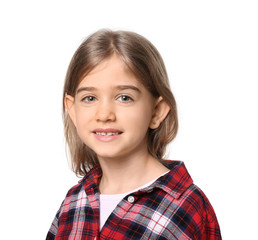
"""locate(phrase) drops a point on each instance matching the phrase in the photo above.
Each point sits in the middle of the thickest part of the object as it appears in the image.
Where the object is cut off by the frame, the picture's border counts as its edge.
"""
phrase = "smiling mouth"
(107, 133)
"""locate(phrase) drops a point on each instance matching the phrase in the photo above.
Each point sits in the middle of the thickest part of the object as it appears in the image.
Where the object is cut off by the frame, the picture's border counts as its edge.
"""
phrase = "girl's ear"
(160, 111)
(69, 106)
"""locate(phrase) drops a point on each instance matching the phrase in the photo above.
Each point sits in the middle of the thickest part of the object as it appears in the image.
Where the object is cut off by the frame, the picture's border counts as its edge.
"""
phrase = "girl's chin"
(109, 156)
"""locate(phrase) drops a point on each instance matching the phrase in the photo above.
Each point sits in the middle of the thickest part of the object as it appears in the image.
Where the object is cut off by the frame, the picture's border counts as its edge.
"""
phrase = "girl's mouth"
(107, 134)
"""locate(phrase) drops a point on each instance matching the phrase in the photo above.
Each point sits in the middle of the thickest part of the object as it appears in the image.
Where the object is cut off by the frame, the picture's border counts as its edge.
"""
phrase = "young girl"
(119, 115)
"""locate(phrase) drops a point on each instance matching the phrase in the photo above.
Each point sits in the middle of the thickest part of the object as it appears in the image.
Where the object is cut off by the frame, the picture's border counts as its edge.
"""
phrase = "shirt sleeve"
(54, 226)
(209, 227)
(211, 230)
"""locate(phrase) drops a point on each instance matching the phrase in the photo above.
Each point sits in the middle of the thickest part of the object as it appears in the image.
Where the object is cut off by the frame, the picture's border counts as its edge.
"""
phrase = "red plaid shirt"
(170, 208)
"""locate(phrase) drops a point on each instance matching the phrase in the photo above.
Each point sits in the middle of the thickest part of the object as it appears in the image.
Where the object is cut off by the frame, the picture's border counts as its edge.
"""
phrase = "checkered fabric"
(170, 208)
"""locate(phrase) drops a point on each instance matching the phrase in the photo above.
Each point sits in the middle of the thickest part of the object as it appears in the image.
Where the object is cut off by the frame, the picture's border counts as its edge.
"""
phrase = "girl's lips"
(107, 134)
(106, 130)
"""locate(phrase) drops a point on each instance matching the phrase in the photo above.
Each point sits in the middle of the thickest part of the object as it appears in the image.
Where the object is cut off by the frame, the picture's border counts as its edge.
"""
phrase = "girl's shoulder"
(74, 199)
(199, 202)
(75, 189)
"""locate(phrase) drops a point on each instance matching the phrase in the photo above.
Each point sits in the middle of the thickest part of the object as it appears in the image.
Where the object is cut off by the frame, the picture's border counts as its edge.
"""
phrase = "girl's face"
(112, 111)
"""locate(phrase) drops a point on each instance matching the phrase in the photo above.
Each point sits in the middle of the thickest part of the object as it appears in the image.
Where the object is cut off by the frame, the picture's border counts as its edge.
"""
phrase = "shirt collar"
(175, 182)
(91, 179)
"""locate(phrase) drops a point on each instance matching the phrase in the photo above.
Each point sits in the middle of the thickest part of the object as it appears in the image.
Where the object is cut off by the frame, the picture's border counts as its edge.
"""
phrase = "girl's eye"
(89, 99)
(125, 98)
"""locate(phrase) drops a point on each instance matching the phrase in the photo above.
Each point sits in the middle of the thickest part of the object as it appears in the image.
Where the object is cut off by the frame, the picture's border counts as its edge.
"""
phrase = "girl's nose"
(105, 112)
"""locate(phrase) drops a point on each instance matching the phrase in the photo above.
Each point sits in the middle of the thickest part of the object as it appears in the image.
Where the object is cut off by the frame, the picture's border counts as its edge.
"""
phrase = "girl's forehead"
(110, 71)
(111, 63)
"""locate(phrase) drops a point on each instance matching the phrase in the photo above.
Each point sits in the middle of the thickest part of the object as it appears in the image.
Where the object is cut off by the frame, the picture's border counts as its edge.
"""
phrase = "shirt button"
(130, 199)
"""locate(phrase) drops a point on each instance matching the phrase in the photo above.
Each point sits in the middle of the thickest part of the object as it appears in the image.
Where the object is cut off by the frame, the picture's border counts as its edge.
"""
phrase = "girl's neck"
(124, 175)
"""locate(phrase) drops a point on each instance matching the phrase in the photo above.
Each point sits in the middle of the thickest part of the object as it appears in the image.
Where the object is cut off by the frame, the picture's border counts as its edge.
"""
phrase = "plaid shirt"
(170, 208)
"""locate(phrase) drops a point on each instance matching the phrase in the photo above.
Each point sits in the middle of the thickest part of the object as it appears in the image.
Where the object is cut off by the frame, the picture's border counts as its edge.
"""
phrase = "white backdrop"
(211, 53)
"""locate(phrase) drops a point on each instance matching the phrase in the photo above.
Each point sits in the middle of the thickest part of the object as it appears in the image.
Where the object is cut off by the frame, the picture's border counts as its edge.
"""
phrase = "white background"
(210, 49)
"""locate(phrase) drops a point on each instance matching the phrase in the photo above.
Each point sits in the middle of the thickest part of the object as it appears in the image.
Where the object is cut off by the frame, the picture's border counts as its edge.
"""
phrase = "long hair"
(145, 62)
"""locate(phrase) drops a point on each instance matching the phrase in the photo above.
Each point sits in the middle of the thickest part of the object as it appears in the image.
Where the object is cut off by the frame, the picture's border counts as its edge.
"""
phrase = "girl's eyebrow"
(119, 87)
(87, 89)
(125, 87)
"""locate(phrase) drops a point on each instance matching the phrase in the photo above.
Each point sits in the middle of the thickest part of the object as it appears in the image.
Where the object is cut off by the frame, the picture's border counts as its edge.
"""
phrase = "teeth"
(106, 134)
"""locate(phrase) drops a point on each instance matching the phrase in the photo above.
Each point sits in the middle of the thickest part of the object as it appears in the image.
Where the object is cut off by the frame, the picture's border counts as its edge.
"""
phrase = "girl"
(119, 115)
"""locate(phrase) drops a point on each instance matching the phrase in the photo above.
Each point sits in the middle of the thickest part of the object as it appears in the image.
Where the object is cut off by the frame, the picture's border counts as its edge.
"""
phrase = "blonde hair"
(145, 62)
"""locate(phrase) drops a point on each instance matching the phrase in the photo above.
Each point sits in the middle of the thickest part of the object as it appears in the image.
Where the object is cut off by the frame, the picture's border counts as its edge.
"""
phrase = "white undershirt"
(108, 202)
